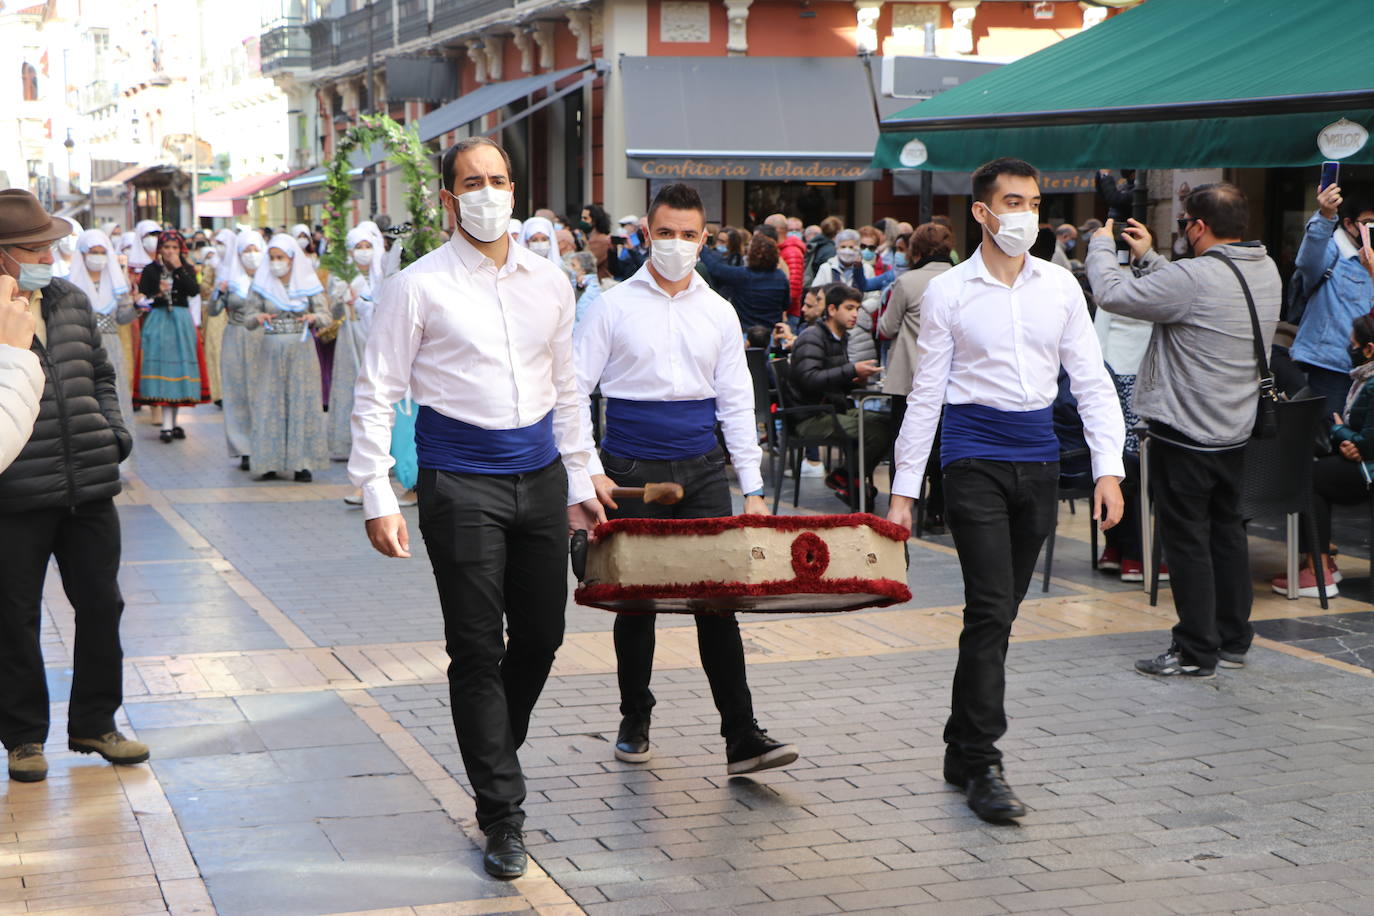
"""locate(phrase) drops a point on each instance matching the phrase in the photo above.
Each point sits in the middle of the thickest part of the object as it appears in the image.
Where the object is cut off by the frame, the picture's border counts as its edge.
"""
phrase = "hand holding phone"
(1331, 173)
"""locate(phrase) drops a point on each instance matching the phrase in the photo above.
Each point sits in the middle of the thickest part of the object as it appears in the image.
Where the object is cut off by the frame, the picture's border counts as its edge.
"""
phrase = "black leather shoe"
(752, 750)
(165, 435)
(506, 856)
(304, 477)
(991, 798)
(243, 463)
(632, 744)
(178, 432)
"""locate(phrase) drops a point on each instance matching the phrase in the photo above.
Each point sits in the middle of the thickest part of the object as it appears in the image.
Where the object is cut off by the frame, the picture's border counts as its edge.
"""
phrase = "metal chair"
(1071, 489)
(792, 445)
(756, 358)
(1278, 481)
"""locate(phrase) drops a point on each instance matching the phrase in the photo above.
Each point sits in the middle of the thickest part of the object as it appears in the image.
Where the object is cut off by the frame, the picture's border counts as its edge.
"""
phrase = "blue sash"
(446, 444)
(660, 430)
(976, 431)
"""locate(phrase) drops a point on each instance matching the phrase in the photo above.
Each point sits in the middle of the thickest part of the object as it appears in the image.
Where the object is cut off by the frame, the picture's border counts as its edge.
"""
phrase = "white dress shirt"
(985, 343)
(491, 348)
(641, 344)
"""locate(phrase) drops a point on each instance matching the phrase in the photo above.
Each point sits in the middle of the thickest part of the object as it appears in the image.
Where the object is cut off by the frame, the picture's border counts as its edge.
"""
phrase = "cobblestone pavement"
(291, 684)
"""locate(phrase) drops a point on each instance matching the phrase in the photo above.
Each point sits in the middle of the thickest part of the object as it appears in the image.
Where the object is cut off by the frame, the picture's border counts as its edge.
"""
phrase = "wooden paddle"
(665, 494)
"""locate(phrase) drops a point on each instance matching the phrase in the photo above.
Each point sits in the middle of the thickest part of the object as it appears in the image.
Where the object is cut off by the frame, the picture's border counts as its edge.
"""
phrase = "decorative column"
(580, 24)
(521, 39)
(1092, 14)
(866, 36)
(543, 38)
(479, 60)
(964, 11)
(737, 36)
(493, 48)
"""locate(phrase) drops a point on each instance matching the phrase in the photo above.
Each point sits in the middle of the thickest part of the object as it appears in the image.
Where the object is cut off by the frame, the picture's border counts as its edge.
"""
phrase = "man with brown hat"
(57, 500)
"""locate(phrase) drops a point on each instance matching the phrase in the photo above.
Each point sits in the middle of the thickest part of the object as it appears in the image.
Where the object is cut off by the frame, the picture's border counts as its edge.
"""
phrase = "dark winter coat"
(79, 438)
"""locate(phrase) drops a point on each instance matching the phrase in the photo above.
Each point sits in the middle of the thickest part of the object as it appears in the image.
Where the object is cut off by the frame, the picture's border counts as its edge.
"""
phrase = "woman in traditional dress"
(137, 246)
(169, 372)
(212, 273)
(96, 272)
(239, 349)
(355, 302)
(285, 301)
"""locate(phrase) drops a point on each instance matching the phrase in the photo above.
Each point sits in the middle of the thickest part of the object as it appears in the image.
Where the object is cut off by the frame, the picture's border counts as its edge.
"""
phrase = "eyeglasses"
(873, 247)
(1183, 224)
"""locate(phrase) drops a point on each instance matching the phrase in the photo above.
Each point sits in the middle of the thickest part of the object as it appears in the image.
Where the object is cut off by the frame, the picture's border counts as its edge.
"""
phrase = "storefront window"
(812, 201)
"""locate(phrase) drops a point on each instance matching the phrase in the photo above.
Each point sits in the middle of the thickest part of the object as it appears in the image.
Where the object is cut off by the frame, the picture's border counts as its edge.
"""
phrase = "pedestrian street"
(291, 685)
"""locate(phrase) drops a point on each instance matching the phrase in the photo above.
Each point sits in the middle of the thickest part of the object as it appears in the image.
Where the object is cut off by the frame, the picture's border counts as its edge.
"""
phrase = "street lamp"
(70, 145)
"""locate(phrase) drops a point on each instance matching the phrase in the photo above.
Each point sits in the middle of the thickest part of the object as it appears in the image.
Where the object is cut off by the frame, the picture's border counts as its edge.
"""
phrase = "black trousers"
(499, 547)
(86, 542)
(707, 495)
(1125, 536)
(1197, 501)
(1000, 513)
(1335, 481)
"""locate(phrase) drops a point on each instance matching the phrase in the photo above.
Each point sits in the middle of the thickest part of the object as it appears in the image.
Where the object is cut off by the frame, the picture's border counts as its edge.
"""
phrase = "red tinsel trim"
(892, 591)
(709, 526)
(810, 556)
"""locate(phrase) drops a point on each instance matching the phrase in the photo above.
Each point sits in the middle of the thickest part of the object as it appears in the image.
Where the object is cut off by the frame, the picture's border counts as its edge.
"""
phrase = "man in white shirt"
(480, 330)
(995, 331)
(667, 353)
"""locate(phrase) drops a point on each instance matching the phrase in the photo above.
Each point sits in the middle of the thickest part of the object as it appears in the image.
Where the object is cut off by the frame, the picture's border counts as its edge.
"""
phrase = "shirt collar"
(1031, 267)
(472, 259)
(647, 279)
(1344, 246)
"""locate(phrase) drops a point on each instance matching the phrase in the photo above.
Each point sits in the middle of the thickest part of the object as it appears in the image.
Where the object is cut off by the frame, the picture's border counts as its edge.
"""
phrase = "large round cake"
(768, 563)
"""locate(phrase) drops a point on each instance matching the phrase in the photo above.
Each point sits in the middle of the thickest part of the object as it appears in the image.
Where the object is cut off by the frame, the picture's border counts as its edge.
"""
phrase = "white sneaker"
(812, 469)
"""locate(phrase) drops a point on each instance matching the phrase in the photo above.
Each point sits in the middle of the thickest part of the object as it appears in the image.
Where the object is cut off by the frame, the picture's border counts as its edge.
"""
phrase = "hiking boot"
(1172, 664)
(113, 746)
(27, 763)
(632, 744)
(752, 750)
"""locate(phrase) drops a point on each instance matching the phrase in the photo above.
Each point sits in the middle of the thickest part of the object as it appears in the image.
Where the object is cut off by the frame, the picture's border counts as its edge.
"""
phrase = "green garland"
(404, 150)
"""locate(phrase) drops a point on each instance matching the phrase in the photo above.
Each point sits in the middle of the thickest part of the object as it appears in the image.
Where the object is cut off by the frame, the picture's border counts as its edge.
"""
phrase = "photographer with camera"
(1197, 390)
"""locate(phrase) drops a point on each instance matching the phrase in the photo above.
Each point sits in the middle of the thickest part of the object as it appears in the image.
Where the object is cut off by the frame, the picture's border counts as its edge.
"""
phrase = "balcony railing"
(285, 47)
(344, 39)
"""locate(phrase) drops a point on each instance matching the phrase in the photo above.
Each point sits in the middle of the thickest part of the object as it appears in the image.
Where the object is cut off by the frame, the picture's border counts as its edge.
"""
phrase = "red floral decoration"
(810, 556)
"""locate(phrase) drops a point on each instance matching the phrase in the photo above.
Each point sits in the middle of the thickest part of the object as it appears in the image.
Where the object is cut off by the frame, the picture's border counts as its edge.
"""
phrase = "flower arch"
(405, 150)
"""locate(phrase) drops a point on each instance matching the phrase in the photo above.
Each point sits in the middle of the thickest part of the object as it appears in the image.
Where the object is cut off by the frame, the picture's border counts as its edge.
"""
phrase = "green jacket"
(1359, 429)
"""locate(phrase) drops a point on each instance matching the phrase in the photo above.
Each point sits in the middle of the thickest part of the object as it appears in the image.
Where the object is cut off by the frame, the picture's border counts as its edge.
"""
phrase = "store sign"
(1341, 139)
(753, 169)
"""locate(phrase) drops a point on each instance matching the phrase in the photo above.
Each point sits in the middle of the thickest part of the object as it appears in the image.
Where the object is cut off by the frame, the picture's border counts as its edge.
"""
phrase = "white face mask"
(251, 260)
(362, 256)
(1017, 231)
(150, 243)
(97, 262)
(280, 268)
(485, 213)
(220, 248)
(674, 258)
(847, 255)
(540, 248)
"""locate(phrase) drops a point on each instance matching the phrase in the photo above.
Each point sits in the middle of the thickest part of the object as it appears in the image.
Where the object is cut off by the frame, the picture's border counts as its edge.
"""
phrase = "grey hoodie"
(1199, 375)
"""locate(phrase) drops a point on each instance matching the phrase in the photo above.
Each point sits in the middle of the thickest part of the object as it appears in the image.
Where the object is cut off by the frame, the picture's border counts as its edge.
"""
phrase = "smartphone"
(1364, 235)
(1331, 171)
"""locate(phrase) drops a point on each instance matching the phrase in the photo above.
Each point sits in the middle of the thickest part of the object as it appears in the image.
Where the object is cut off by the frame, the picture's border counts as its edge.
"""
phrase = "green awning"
(1167, 84)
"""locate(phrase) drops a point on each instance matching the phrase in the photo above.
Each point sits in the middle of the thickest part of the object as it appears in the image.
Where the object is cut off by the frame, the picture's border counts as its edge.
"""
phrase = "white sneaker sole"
(1312, 591)
(777, 757)
(628, 757)
(1223, 663)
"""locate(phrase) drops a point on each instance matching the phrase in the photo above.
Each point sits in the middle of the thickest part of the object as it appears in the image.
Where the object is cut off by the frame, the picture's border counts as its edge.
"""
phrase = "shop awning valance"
(748, 118)
(230, 200)
(1167, 84)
